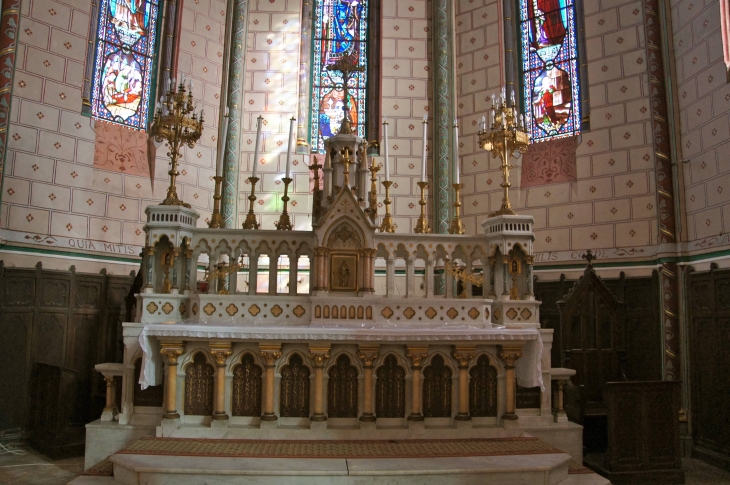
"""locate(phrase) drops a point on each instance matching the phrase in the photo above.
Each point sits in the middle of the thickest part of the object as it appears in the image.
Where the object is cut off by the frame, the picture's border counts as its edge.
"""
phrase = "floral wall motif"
(120, 149)
(549, 162)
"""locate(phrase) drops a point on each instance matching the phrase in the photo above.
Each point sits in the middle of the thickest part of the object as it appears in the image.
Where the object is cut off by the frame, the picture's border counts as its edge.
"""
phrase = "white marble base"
(106, 438)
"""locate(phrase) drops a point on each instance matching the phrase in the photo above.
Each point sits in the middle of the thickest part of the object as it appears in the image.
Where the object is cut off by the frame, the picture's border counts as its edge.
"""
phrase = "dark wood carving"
(592, 338)
(483, 389)
(643, 433)
(709, 357)
(390, 390)
(437, 389)
(199, 387)
(294, 393)
(246, 393)
(66, 321)
(153, 396)
(342, 389)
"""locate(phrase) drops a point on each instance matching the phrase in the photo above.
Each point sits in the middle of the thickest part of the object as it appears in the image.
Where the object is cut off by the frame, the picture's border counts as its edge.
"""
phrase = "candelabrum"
(372, 209)
(457, 226)
(223, 271)
(251, 222)
(216, 218)
(461, 275)
(317, 193)
(422, 223)
(176, 123)
(284, 223)
(506, 137)
(387, 224)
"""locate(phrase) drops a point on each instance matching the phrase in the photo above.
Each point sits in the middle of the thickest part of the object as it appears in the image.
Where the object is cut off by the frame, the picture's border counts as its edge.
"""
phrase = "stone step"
(533, 469)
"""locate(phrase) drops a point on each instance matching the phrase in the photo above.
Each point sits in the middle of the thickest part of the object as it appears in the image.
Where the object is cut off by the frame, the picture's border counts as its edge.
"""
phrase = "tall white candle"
(456, 151)
(292, 121)
(425, 134)
(259, 123)
(222, 152)
(385, 142)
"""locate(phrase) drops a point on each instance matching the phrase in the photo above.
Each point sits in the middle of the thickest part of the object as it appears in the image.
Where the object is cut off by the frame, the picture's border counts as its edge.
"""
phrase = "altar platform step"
(165, 461)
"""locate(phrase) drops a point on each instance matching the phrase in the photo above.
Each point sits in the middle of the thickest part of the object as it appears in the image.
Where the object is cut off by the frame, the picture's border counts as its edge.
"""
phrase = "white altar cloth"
(528, 369)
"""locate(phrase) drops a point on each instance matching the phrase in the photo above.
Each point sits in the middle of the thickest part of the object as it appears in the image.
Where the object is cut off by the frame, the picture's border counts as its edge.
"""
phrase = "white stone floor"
(34, 468)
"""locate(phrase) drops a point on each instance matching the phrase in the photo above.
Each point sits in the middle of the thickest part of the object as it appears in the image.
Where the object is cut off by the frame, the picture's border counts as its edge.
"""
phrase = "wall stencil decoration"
(550, 162)
(120, 149)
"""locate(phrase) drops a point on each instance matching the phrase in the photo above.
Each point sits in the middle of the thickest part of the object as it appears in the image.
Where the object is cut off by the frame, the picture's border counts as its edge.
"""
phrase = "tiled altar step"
(533, 469)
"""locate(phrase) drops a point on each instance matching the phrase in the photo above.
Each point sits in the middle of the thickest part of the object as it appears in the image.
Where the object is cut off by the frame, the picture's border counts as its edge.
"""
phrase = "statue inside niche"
(344, 274)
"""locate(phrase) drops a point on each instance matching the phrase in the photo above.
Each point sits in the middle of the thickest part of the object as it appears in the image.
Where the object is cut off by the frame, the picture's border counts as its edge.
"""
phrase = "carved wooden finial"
(589, 256)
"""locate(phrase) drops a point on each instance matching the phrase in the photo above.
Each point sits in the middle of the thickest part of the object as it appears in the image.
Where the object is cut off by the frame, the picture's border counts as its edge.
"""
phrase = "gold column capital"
(417, 356)
(368, 354)
(149, 250)
(510, 354)
(505, 259)
(171, 350)
(220, 352)
(270, 353)
(463, 356)
(319, 354)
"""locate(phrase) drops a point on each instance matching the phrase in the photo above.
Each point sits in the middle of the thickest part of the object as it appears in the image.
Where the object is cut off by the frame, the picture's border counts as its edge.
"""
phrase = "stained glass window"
(340, 31)
(123, 62)
(550, 68)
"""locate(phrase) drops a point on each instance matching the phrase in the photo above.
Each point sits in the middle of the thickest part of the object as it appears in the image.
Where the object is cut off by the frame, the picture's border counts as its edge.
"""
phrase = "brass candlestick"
(387, 225)
(284, 223)
(251, 222)
(372, 209)
(457, 227)
(507, 134)
(216, 219)
(176, 123)
(346, 163)
(317, 193)
(422, 224)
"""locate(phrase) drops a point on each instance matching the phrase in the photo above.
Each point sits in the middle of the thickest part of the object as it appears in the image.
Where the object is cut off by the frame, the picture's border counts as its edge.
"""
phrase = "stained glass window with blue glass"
(340, 31)
(123, 61)
(550, 68)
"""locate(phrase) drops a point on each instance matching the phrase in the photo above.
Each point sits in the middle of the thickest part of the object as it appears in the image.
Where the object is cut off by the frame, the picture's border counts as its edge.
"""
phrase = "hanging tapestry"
(550, 68)
(340, 31)
(123, 63)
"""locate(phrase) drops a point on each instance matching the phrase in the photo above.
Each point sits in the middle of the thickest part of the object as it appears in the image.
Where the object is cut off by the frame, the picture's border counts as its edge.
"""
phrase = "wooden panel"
(15, 338)
(342, 389)
(483, 389)
(247, 385)
(48, 337)
(294, 393)
(199, 387)
(390, 390)
(437, 389)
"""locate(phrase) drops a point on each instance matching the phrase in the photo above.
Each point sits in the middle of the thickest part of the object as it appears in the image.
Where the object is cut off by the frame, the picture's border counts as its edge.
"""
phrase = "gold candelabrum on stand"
(222, 272)
(457, 226)
(387, 224)
(372, 209)
(461, 275)
(422, 223)
(176, 123)
(251, 222)
(284, 223)
(216, 218)
(506, 136)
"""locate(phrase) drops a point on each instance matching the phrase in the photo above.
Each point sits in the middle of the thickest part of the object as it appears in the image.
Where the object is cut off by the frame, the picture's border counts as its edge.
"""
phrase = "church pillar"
(371, 270)
(410, 278)
(368, 355)
(509, 356)
(444, 111)
(666, 178)
(270, 354)
(109, 407)
(319, 355)
(273, 266)
(232, 278)
(468, 270)
(170, 352)
(253, 270)
(220, 352)
(213, 282)
(234, 102)
(417, 355)
(390, 276)
(429, 277)
(463, 356)
(305, 48)
(293, 274)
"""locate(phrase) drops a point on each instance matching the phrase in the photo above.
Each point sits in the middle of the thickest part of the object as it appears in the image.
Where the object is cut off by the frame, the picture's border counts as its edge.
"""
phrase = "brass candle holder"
(284, 223)
(216, 219)
(251, 222)
(387, 224)
(176, 123)
(372, 209)
(457, 227)
(422, 224)
(507, 134)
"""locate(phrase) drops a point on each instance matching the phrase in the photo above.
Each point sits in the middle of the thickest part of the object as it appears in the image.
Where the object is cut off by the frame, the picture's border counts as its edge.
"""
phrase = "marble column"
(170, 352)
(467, 285)
(463, 356)
(319, 355)
(505, 275)
(149, 274)
(390, 276)
(175, 273)
(189, 272)
(410, 278)
(220, 352)
(371, 270)
(429, 277)
(273, 267)
(368, 355)
(509, 355)
(492, 267)
(293, 274)
(270, 353)
(253, 270)
(110, 407)
(417, 356)
(529, 261)
(449, 293)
